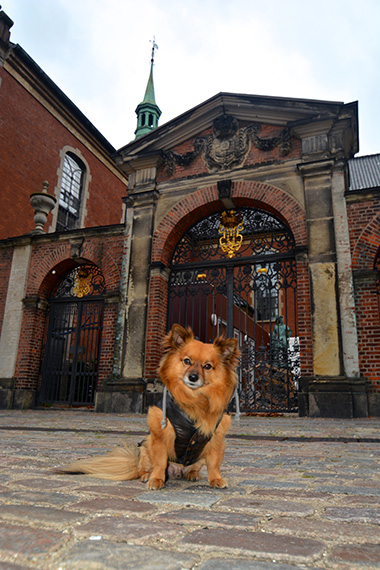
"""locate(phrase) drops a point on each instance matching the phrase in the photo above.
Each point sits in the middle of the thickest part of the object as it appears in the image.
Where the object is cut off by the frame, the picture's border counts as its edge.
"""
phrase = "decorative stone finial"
(42, 204)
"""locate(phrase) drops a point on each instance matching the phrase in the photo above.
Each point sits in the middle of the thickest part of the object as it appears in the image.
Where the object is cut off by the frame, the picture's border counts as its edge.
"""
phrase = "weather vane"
(154, 47)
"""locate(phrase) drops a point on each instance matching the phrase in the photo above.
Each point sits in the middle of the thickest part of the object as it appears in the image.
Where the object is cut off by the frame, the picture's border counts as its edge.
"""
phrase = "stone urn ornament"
(42, 204)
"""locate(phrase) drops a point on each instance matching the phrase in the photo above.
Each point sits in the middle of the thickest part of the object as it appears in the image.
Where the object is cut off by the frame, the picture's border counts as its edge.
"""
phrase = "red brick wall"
(157, 314)
(364, 227)
(368, 325)
(304, 318)
(108, 342)
(30, 143)
(201, 204)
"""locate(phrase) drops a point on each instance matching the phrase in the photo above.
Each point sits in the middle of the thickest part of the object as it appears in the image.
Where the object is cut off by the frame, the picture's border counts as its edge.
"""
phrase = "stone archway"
(195, 206)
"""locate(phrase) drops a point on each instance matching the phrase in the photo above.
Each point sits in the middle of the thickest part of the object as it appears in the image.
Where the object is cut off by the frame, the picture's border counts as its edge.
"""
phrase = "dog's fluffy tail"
(120, 464)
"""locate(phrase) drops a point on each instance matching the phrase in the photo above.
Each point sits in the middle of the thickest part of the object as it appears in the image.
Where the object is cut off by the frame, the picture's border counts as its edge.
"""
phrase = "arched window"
(70, 193)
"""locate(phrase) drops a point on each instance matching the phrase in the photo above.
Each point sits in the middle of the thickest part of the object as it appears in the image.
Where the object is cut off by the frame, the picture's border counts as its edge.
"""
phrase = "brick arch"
(367, 247)
(42, 280)
(205, 201)
(58, 255)
(257, 194)
(60, 271)
(200, 204)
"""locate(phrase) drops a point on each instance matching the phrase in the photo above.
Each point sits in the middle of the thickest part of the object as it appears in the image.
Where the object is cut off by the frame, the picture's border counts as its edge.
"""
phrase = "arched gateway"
(73, 337)
(234, 273)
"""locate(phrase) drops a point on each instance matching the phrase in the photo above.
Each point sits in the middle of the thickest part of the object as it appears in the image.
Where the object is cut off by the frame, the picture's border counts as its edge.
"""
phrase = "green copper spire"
(147, 111)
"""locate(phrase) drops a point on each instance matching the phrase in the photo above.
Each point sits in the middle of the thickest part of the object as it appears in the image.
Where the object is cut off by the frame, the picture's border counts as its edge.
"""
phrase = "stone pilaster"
(125, 391)
(350, 352)
(322, 263)
(10, 334)
(336, 389)
(137, 297)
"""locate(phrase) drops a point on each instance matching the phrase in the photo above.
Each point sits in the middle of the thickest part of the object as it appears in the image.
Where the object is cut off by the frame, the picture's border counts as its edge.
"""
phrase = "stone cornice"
(362, 195)
(84, 233)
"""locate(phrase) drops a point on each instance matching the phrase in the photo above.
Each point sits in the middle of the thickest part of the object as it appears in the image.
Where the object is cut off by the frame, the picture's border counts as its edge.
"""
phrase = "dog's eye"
(207, 366)
(187, 361)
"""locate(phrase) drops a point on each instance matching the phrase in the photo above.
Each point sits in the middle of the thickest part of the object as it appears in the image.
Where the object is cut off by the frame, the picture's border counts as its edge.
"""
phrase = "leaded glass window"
(71, 193)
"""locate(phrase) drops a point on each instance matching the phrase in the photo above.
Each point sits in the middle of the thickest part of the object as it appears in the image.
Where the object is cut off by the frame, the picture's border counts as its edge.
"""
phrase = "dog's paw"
(155, 484)
(193, 476)
(219, 483)
(144, 477)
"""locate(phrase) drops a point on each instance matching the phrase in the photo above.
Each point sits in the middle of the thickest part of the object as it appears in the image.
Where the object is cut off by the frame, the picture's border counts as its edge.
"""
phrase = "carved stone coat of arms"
(227, 146)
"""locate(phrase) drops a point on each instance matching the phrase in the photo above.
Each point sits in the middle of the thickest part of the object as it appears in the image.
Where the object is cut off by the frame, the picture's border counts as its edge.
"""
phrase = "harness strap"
(164, 399)
(189, 441)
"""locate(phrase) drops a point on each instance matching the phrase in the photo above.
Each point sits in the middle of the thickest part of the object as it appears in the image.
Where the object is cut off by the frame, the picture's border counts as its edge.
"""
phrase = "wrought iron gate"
(235, 274)
(70, 367)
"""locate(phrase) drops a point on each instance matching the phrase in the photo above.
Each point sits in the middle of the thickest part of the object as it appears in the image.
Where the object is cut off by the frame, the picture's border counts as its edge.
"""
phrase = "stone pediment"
(227, 144)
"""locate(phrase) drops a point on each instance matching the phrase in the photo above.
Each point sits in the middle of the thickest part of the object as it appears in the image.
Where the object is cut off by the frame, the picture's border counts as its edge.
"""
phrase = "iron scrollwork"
(82, 281)
(261, 233)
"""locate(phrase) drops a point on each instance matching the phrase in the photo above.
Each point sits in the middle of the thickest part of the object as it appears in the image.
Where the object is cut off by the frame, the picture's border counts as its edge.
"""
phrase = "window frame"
(79, 159)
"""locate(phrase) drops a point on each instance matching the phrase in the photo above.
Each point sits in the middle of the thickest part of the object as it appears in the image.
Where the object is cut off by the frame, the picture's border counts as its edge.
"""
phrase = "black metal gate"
(71, 360)
(235, 274)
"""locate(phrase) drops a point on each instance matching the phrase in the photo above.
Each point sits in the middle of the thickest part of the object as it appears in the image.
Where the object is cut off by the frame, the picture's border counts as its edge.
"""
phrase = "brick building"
(247, 215)
(44, 137)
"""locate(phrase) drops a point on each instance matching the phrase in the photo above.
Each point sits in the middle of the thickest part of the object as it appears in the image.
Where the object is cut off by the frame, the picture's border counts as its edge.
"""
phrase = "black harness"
(189, 441)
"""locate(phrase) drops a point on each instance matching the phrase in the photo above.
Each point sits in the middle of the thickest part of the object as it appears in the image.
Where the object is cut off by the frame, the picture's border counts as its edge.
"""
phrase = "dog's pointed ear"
(177, 337)
(228, 349)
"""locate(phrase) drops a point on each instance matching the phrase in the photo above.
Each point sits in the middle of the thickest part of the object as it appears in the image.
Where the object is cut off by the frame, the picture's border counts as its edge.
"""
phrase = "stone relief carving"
(227, 146)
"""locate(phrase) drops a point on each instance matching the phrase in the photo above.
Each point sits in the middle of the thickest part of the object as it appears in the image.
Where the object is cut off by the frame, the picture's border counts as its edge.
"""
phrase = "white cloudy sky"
(98, 52)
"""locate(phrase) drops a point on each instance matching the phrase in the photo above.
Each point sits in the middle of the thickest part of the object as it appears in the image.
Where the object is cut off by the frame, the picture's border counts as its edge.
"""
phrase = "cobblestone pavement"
(303, 493)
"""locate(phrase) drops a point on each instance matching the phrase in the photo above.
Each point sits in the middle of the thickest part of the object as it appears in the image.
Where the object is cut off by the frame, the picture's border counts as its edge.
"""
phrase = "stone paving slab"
(119, 506)
(280, 547)
(354, 514)
(303, 494)
(210, 518)
(328, 531)
(10, 566)
(363, 555)
(258, 505)
(128, 529)
(33, 543)
(233, 564)
(106, 555)
(36, 498)
(44, 516)
(185, 498)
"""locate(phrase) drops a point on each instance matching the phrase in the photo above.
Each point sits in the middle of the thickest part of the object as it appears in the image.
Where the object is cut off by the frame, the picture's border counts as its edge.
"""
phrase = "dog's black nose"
(193, 377)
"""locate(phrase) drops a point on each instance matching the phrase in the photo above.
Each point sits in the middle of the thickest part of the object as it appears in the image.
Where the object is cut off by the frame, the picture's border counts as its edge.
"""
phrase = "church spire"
(147, 111)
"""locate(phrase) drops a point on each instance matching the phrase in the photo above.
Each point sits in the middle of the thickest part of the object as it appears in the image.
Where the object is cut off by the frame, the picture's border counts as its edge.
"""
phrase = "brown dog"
(187, 431)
